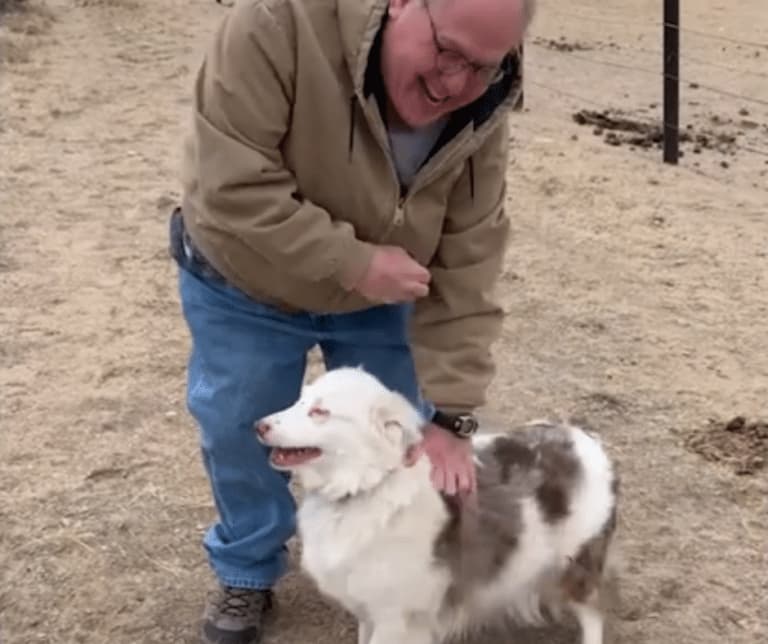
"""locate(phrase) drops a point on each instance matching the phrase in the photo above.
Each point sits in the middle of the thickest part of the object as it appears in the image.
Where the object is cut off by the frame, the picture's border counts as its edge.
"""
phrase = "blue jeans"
(247, 361)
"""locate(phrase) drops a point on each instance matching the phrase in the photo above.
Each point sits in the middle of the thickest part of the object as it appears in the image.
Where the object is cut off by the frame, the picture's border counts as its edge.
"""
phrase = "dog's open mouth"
(292, 456)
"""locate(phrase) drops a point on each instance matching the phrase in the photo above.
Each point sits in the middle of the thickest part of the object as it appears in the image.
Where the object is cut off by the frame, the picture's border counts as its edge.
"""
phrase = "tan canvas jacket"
(288, 182)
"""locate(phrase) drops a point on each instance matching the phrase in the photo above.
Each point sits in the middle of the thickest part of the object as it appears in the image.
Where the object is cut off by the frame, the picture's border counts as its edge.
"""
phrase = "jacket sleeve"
(455, 326)
(235, 171)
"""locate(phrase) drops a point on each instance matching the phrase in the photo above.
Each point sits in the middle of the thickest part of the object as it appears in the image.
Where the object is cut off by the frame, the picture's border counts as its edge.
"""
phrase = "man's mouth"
(293, 456)
(435, 100)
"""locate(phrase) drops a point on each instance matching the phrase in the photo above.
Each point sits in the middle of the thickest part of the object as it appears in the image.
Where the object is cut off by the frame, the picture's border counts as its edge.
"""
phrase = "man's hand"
(393, 276)
(453, 467)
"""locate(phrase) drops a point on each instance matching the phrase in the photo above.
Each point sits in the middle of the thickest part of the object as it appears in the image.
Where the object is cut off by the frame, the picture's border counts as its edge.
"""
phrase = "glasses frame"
(450, 62)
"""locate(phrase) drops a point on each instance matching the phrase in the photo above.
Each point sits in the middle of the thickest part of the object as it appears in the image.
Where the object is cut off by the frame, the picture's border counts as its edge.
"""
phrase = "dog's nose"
(263, 428)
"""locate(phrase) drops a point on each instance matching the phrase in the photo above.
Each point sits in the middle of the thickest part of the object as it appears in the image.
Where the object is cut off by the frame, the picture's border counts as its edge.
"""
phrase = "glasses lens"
(450, 62)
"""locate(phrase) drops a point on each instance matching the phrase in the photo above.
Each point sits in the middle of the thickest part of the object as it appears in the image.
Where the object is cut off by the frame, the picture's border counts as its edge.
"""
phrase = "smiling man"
(344, 187)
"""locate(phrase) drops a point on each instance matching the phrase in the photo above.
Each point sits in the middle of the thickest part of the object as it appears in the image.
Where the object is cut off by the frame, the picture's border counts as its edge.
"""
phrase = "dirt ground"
(637, 298)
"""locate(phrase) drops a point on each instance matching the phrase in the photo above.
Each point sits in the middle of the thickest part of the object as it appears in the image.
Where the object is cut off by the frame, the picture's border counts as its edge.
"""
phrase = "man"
(344, 184)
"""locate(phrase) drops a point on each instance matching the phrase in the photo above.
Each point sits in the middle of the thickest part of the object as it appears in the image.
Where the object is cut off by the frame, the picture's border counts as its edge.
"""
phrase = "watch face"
(460, 424)
(467, 425)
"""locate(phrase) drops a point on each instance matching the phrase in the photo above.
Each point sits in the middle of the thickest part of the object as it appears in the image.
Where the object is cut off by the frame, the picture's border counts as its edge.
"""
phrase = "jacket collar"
(360, 22)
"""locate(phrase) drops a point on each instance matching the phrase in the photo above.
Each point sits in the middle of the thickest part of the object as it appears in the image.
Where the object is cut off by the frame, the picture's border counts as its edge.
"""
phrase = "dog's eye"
(319, 412)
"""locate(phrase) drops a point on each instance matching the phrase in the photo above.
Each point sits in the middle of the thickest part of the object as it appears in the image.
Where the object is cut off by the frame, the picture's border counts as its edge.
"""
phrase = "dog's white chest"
(328, 544)
(362, 555)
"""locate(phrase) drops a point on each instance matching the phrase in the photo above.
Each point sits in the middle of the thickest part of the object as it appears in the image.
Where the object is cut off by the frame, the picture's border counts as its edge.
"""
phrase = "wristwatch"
(462, 425)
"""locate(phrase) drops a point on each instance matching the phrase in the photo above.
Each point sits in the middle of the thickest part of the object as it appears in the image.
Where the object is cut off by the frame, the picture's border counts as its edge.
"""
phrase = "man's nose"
(456, 82)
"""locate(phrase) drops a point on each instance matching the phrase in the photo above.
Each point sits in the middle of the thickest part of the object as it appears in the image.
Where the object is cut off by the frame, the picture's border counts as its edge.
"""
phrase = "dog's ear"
(395, 418)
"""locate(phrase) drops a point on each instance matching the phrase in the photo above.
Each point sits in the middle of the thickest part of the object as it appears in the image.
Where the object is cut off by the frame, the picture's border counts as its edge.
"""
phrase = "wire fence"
(654, 25)
(652, 72)
(544, 53)
(657, 65)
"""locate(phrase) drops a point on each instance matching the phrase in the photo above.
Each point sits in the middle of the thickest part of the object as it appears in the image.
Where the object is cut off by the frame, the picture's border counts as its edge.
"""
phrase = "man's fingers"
(465, 480)
(411, 291)
(464, 477)
(438, 477)
(404, 292)
(415, 270)
(422, 274)
(451, 483)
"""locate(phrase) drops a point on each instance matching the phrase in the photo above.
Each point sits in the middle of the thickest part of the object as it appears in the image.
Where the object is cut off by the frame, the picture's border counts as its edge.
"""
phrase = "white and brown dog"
(414, 566)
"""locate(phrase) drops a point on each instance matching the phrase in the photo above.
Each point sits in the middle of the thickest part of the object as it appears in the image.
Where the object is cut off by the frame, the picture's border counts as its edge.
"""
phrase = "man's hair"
(528, 8)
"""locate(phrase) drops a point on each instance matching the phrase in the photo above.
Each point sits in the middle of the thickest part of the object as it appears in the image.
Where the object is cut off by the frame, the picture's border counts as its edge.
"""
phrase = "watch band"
(463, 425)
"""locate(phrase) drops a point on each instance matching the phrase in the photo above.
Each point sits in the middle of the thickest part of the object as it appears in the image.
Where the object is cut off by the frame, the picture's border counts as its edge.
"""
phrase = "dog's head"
(345, 433)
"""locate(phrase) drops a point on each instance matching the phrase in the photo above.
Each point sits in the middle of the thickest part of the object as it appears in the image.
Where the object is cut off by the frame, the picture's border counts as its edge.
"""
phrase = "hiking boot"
(236, 616)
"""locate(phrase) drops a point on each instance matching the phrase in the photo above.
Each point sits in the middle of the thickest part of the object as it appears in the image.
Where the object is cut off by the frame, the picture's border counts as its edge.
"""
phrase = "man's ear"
(394, 417)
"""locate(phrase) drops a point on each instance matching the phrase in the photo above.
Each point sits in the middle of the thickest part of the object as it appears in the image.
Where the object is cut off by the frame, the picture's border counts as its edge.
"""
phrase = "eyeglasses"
(451, 62)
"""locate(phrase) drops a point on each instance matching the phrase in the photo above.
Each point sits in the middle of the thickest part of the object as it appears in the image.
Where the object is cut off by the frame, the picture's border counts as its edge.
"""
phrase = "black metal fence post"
(521, 99)
(671, 81)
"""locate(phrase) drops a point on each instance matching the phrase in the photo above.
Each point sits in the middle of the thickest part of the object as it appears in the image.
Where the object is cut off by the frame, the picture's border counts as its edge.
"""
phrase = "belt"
(186, 254)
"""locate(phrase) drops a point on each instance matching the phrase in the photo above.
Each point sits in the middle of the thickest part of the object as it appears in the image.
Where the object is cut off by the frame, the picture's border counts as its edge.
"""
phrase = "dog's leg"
(583, 583)
(364, 631)
(591, 622)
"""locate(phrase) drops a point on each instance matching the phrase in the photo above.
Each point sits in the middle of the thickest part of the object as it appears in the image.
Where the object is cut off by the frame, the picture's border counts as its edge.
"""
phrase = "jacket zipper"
(381, 137)
(420, 178)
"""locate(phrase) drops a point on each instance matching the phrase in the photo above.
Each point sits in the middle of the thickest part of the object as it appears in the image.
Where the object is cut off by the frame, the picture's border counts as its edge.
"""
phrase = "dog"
(415, 566)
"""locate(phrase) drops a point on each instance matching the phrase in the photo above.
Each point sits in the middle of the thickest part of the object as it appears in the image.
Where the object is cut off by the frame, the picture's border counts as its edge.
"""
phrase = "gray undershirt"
(411, 147)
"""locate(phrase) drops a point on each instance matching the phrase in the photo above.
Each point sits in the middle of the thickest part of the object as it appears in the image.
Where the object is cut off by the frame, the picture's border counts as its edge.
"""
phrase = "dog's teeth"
(283, 455)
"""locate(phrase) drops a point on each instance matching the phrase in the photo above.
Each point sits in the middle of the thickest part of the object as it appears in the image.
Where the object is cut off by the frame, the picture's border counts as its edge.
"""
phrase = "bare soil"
(740, 442)
(636, 297)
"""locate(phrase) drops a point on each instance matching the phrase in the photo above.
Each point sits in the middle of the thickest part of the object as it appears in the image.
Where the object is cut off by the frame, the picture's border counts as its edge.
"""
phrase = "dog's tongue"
(294, 456)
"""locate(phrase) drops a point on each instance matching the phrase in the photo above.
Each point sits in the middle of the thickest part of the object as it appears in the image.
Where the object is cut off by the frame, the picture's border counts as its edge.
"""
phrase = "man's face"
(439, 55)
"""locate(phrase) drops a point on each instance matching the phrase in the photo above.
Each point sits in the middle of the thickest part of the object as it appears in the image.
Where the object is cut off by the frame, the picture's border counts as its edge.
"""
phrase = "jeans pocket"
(185, 254)
(176, 237)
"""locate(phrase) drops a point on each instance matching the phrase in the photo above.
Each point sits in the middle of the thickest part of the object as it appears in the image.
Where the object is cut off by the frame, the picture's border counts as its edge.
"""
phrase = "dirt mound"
(739, 443)
(562, 44)
(619, 129)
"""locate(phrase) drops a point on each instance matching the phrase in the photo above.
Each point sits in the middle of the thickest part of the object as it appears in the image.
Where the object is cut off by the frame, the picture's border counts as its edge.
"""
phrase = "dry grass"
(636, 293)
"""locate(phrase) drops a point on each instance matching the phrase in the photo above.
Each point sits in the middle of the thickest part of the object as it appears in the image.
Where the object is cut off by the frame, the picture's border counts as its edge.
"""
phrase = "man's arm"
(235, 172)
(455, 326)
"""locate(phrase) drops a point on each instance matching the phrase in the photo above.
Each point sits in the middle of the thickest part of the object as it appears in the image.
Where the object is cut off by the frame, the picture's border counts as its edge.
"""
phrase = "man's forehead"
(480, 29)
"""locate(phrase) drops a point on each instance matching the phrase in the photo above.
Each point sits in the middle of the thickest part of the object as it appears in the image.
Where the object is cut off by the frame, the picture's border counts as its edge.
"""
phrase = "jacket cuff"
(354, 262)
